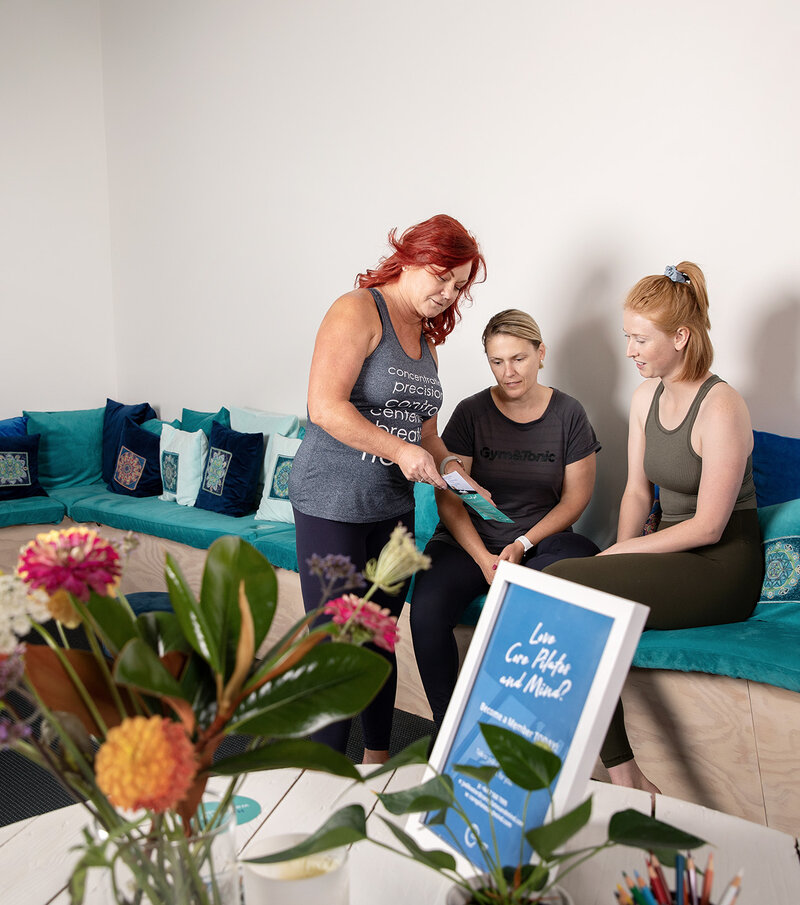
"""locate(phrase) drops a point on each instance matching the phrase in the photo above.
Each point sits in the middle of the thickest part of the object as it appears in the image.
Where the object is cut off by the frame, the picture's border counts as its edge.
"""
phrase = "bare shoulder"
(353, 316)
(642, 397)
(725, 404)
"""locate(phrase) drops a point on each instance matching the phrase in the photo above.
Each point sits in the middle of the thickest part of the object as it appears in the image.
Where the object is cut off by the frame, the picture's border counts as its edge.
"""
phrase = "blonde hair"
(513, 322)
(672, 305)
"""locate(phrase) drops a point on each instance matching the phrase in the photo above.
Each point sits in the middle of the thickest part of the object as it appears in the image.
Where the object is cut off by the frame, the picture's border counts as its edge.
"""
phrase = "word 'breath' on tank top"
(396, 393)
(671, 463)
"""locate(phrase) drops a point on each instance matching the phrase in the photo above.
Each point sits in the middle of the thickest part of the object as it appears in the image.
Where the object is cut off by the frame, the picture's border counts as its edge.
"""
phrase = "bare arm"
(576, 491)
(349, 332)
(723, 437)
(637, 498)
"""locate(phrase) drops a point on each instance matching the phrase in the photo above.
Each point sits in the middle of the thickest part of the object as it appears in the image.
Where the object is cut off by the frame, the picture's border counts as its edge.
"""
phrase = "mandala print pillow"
(275, 505)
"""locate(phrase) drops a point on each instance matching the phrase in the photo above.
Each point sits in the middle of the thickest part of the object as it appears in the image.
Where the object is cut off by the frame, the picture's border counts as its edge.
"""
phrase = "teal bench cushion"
(276, 540)
(34, 510)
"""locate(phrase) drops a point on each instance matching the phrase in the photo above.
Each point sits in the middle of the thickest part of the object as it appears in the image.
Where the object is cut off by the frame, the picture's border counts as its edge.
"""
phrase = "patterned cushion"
(230, 477)
(275, 505)
(71, 448)
(114, 420)
(780, 530)
(183, 458)
(19, 467)
(14, 427)
(193, 421)
(251, 420)
(137, 471)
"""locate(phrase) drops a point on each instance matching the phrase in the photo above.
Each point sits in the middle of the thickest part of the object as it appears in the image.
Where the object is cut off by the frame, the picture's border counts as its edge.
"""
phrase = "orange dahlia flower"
(146, 763)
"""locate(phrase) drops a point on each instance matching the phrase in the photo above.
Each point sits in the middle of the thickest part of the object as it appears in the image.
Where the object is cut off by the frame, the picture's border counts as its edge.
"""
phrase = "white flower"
(18, 609)
(397, 561)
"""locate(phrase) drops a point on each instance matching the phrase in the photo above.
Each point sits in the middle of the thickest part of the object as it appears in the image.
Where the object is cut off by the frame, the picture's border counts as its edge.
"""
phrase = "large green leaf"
(138, 667)
(642, 831)
(344, 828)
(162, 631)
(332, 681)
(114, 619)
(198, 630)
(231, 561)
(546, 839)
(436, 793)
(434, 858)
(300, 753)
(482, 774)
(529, 766)
(415, 753)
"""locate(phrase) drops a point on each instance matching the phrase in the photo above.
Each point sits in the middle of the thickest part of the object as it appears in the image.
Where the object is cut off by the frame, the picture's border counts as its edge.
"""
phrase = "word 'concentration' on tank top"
(671, 463)
(397, 393)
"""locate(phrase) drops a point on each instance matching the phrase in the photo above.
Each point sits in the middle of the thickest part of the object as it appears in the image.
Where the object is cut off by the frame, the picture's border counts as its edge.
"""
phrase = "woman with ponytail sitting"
(690, 434)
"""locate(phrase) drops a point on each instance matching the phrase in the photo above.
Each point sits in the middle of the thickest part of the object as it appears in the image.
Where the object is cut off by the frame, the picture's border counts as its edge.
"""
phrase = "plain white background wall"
(257, 154)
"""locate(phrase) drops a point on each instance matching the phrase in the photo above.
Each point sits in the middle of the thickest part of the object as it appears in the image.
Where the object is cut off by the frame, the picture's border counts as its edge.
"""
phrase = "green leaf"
(300, 753)
(527, 765)
(642, 831)
(333, 681)
(230, 561)
(482, 774)
(162, 631)
(114, 619)
(344, 828)
(415, 753)
(434, 858)
(436, 793)
(195, 625)
(138, 667)
(551, 836)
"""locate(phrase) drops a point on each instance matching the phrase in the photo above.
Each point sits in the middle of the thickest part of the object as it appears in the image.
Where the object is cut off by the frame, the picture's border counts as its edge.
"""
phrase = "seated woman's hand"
(512, 553)
(488, 563)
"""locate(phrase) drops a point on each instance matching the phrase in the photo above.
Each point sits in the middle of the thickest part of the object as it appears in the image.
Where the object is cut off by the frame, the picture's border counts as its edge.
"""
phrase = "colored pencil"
(659, 891)
(645, 890)
(708, 879)
(732, 892)
(692, 875)
(623, 895)
(661, 876)
(680, 861)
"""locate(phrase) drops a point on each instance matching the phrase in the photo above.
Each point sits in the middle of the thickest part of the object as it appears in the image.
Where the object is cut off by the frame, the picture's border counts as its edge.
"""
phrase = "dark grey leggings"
(441, 595)
(711, 585)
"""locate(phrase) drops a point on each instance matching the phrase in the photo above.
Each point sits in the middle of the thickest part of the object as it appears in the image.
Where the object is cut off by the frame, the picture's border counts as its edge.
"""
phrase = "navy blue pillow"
(776, 468)
(113, 422)
(14, 427)
(19, 467)
(230, 477)
(137, 471)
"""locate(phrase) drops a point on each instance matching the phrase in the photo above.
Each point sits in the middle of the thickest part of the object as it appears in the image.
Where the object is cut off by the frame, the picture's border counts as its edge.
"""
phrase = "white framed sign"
(548, 660)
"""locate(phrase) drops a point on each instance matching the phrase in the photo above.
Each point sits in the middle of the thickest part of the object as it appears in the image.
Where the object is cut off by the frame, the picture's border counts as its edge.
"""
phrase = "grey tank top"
(672, 464)
(395, 392)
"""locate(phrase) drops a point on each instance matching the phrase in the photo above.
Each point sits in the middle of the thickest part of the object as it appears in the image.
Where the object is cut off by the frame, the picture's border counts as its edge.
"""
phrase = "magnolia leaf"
(642, 831)
(415, 753)
(138, 667)
(300, 753)
(436, 793)
(434, 858)
(529, 766)
(551, 836)
(482, 774)
(114, 620)
(198, 630)
(344, 828)
(162, 631)
(333, 681)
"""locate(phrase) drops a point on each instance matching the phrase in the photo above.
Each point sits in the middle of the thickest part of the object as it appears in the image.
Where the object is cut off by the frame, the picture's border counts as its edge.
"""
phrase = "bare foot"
(373, 756)
(629, 775)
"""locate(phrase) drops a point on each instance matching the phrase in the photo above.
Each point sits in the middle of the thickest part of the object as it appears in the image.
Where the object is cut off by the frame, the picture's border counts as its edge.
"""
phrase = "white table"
(35, 856)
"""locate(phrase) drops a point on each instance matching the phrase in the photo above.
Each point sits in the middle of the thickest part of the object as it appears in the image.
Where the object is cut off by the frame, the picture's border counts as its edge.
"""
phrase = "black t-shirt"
(522, 465)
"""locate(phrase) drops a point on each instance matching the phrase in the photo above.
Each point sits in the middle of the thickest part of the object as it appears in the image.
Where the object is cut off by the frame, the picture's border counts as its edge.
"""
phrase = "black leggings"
(441, 595)
(711, 585)
(361, 542)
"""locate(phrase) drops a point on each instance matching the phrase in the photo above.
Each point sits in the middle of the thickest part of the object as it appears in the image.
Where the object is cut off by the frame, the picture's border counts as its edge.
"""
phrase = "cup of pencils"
(692, 887)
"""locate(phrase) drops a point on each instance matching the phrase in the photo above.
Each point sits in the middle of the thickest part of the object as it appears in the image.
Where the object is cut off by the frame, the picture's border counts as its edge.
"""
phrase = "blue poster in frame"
(547, 661)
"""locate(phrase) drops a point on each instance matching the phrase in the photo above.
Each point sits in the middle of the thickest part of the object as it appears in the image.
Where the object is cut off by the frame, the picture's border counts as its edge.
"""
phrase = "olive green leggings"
(710, 585)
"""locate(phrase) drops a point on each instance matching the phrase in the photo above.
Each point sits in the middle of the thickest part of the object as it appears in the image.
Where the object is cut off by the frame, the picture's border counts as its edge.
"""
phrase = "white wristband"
(446, 460)
(526, 544)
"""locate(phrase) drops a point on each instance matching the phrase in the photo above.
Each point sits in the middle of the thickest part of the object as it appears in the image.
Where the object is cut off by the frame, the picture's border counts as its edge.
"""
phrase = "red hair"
(441, 242)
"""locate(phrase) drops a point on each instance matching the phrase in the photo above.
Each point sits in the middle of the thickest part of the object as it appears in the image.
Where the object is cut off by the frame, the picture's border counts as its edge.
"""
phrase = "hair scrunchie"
(675, 275)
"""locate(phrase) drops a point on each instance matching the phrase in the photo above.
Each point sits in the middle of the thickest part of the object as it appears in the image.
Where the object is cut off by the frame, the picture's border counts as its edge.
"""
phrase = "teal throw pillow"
(71, 446)
(230, 477)
(278, 461)
(780, 530)
(156, 425)
(19, 467)
(137, 471)
(249, 421)
(14, 427)
(202, 421)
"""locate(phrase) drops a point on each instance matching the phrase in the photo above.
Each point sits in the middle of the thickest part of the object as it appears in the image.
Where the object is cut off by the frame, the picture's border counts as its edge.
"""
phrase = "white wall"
(56, 331)
(258, 153)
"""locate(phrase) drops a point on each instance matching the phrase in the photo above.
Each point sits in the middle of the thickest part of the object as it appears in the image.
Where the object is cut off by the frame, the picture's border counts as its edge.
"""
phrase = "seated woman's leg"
(564, 545)
(441, 594)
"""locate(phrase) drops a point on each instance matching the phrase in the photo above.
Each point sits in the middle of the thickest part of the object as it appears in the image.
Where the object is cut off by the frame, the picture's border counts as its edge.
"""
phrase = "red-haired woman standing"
(373, 398)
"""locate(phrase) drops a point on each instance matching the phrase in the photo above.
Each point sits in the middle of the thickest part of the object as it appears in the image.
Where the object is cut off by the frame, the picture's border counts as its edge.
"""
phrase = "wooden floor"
(725, 743)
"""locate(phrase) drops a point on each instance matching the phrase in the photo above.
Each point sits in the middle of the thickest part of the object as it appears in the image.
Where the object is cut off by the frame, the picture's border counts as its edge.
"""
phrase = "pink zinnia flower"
(363, 621)
(75, 560)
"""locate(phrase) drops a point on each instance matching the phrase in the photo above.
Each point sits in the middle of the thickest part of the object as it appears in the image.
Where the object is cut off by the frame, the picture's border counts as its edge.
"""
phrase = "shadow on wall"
(772, 394)
(588, 365)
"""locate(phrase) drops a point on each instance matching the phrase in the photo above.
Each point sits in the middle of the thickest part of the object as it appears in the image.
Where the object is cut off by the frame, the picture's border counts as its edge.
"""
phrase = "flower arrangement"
(132, 725)
(531, 766)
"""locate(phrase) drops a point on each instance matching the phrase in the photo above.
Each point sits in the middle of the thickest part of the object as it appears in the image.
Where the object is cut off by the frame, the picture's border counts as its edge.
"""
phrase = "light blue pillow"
(155, 425)
(71, 446)
(278, 461)
(253, 421)
(183, 458)
(780, 530)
